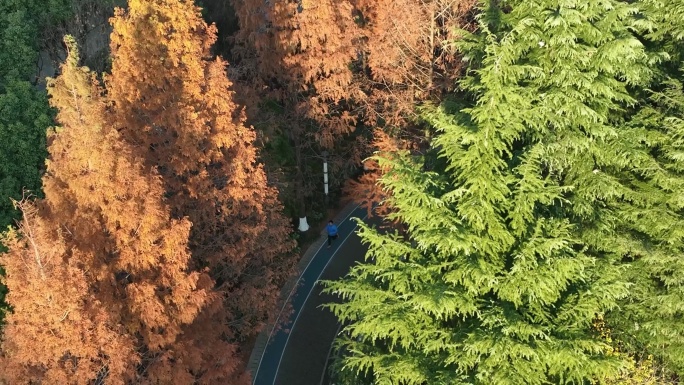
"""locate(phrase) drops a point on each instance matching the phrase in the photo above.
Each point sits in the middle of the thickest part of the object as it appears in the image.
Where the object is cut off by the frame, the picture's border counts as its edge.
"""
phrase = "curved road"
(300, 356)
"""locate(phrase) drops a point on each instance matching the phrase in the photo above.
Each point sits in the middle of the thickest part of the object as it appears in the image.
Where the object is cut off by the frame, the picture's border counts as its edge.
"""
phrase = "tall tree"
(509, 253)
(98, 272)
(174, 106)
(339, 70)
(404, 57)
(298, 56)
(648, 159)
(353, 61)
(57, 332)
(303, 53)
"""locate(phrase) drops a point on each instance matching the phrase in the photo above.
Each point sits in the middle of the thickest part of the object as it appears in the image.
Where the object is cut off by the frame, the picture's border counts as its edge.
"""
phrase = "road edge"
(262, 339)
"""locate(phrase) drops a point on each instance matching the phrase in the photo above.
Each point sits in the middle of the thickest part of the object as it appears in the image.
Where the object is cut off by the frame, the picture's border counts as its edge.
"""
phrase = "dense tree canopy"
(173, 104)
(510, 252)
(166, 216)
(651, 317)
(24, 111)
(337, 71)
(97, 273)
(529, 172)
(648, 153)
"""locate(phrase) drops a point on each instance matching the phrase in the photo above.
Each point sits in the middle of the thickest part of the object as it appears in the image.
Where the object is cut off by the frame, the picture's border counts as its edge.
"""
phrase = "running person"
(332, 232)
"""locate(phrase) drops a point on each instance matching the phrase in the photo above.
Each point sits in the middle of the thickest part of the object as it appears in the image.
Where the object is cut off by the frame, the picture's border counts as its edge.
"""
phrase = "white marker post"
(325, 175)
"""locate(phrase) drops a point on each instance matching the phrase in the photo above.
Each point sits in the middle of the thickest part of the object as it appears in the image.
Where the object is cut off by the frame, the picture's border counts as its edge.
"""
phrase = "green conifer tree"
(510, 250)
(649, 162)
(652, 223)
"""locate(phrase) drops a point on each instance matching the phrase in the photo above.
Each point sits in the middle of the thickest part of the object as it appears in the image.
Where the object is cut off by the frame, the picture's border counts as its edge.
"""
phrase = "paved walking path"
(300, 356)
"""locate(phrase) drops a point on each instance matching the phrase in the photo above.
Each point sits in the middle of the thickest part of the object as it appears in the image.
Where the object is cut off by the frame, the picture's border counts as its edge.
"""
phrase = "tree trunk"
(300, 195)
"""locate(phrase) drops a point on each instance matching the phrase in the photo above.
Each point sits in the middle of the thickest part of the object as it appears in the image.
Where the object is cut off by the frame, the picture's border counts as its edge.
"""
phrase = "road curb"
(262, 339)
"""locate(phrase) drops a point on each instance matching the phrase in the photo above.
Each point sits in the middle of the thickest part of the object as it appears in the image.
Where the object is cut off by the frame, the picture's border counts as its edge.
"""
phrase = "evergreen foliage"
(649, 154)
(510, 252)
(24, 110)
(653, 314)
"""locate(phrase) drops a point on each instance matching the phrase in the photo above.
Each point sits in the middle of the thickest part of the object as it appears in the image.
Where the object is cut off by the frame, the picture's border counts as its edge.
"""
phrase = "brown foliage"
(298, 55)
(406, 64)
(174, 105)
(338, 62)
(303, 56)
(59, 332)
(348, 65)
(103, 252)
(341, 61)
(403, 52)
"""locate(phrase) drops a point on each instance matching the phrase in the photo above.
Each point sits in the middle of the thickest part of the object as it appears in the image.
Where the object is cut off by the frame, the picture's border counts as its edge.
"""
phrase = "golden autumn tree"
(404, 51)
(58, 332)
(297, 55)
(303, 55)
(335, 67)
(99, 271)
(406, 62)
(173, 103)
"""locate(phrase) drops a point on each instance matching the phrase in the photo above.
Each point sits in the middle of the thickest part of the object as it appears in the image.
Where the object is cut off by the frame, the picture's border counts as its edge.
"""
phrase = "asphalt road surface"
(300, 356)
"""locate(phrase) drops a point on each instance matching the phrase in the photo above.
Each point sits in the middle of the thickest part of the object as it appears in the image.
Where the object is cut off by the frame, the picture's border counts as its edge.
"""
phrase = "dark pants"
(331, 238)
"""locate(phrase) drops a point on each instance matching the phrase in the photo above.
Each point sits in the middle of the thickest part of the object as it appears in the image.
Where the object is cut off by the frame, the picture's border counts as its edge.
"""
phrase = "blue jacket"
(332, 229)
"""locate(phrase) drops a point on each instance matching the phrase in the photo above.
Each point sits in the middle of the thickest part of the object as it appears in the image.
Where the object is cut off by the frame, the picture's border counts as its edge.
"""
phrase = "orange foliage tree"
(405, 60)
(336, 67)
(173, 103)
(58, 331)
(297, 55)
(403, 50)
(98, 271)
(303, 55)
